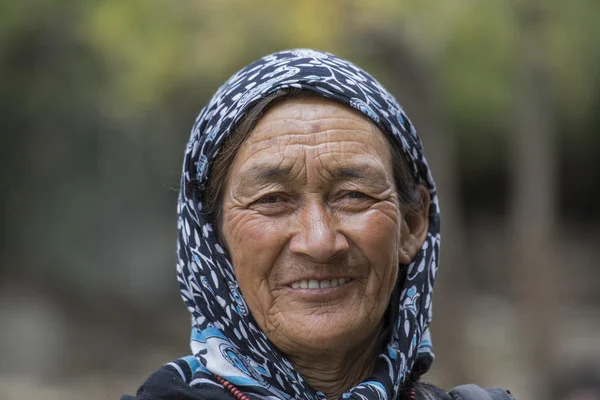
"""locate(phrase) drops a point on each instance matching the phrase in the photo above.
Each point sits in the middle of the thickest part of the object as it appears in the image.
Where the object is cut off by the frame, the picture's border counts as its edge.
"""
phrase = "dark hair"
(409, 194)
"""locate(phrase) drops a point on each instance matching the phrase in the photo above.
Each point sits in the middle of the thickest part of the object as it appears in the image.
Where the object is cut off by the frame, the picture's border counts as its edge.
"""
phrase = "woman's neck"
(333, 373)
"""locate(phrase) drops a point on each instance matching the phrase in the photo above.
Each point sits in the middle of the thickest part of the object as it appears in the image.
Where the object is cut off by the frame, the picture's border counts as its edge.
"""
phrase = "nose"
(318, 236)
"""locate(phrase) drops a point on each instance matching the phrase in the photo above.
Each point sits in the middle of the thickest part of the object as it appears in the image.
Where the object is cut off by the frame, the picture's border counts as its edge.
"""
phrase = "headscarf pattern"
(225, 340)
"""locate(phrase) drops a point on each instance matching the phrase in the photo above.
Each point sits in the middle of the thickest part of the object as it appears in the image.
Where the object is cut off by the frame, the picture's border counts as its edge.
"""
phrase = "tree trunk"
(533, 207)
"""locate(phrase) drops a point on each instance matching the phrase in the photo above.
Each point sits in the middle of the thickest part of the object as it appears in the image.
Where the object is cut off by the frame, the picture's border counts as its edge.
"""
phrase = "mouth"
(313, 284)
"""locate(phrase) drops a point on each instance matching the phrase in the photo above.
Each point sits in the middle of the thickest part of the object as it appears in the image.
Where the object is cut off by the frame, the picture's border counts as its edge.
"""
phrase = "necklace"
(239, 395)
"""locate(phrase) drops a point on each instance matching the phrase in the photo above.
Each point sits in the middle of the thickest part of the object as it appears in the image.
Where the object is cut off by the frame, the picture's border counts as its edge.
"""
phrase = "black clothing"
(170, 383)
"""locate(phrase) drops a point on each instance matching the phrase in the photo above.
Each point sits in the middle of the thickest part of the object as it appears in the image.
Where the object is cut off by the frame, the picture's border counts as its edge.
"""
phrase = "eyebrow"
(266, 173)
(366, 174)
(262, 174)
(345, 173)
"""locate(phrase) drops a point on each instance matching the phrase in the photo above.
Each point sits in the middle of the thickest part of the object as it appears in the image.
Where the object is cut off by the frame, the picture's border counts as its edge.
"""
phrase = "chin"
(323, 332)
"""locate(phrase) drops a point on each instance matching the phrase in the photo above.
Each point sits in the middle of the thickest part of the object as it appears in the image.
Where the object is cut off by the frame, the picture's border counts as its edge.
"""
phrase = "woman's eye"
(356, 195)
(272, 204)
(269, 199)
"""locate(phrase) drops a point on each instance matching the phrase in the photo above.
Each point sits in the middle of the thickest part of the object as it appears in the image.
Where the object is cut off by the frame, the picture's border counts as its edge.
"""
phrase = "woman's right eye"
(273, 204)
(269, 199)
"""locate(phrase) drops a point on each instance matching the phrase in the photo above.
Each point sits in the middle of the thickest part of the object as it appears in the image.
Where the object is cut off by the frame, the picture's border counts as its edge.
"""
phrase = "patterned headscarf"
(226, 341)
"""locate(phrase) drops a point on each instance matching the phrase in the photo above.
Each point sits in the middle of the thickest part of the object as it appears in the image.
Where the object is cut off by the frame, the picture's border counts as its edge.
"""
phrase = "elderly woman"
(308, 241)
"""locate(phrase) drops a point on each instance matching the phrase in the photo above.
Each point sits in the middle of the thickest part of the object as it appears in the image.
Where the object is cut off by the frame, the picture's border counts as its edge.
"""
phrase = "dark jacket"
(168, 384)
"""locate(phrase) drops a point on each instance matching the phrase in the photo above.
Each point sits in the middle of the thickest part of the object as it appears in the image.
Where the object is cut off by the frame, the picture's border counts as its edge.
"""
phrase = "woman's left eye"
(269, 199)
(356, 195)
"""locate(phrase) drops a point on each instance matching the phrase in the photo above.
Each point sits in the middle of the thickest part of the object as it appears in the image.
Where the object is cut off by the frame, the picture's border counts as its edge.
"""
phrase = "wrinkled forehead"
(302, 131)
(308, 117)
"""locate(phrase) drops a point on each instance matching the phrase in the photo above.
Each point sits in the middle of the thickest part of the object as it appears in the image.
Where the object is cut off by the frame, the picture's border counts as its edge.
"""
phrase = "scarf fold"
(225, 339)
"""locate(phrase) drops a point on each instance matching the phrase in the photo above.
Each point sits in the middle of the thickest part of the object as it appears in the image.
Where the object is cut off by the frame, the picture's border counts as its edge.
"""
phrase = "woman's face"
(312, 222)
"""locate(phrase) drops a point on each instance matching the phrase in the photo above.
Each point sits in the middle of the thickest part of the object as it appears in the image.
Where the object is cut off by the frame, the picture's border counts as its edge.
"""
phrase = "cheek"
(254, 243)
(377, 236)
(250, 235)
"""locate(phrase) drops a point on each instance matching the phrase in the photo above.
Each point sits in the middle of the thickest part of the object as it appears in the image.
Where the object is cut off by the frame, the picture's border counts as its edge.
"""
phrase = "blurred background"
(97, 99)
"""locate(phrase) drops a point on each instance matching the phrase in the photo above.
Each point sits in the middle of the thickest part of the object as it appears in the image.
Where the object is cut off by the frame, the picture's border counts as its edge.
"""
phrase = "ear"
(415, 225)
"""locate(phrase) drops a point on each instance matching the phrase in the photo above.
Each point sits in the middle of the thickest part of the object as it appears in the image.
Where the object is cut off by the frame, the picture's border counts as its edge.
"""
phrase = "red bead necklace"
(411, 394)
(239, 395)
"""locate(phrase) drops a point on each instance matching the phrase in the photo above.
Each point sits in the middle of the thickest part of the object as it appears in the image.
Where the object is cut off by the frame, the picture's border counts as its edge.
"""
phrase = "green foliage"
(98, 96)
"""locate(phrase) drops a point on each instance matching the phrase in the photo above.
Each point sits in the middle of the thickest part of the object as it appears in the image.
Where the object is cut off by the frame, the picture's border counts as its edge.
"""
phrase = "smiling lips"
(324, 284)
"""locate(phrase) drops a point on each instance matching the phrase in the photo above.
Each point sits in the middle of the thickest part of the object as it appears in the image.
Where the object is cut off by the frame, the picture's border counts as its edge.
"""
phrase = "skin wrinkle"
(250, 178)
(313, 226)
(269, 142)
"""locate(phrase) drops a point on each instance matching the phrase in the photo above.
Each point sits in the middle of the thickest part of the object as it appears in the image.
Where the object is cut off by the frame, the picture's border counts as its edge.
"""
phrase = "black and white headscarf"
(226, 340)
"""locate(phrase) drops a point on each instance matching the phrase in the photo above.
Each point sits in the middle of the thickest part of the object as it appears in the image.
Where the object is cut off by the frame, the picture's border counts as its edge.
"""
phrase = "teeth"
(314, 284)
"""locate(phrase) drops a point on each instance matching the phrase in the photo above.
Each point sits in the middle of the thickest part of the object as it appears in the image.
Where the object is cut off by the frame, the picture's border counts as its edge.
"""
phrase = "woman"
(308, 241)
